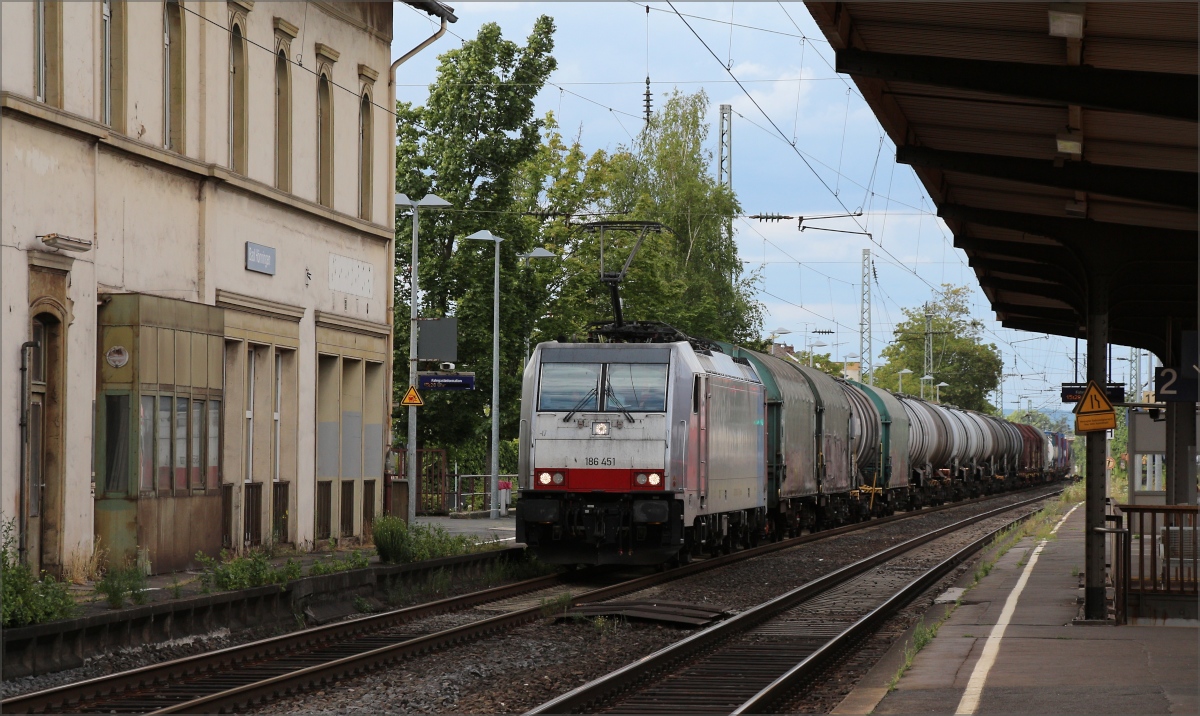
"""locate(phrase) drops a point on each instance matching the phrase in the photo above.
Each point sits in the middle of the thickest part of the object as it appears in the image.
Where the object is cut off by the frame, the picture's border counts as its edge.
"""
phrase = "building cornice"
(353, 325)
(61, 120)
(260, 306)
(49, 260)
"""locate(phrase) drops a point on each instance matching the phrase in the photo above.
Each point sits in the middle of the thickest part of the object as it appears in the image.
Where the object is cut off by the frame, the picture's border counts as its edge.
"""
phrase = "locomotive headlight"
(544, 478)
(640, 478)
(655, 479)
(558, 478)
(600, 429)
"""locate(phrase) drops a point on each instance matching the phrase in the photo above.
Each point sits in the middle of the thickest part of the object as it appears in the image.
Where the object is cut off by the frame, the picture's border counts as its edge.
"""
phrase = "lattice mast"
(866, 367)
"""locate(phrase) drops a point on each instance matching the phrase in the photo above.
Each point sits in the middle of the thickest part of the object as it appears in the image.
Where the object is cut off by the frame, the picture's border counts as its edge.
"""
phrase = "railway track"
(755, 661)
(260, 671)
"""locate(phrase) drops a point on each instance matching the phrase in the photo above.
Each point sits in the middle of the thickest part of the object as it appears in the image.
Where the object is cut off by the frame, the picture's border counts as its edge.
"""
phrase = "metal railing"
(1154, 554)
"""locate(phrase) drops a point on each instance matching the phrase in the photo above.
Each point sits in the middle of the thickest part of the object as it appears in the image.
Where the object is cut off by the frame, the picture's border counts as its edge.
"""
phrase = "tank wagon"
(644, 452)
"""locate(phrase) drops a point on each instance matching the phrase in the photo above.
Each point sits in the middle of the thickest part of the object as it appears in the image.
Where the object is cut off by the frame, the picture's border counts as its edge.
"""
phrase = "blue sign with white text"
(260, 258)
(446, 381)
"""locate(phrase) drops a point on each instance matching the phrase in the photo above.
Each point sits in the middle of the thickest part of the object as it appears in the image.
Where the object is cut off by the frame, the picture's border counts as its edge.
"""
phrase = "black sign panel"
(1172, 385)
(446, 381)
(1073, 392)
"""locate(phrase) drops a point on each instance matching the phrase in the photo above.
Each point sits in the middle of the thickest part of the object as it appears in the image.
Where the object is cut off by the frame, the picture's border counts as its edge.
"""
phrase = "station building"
(196, 266)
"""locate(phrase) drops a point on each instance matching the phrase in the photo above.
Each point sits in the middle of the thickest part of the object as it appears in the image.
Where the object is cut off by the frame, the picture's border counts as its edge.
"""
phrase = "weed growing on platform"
(119, 584)
(922, 635)
(25, 599)
(399, 592)
(176, 586)
(252, 570)
(399, 542)
(86, 565)
(355, 560)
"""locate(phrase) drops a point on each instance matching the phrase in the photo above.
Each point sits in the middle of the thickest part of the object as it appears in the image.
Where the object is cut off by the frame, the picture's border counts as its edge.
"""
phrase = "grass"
(921, 638)
(553, 606)
(117, 585)
(85, 566)
(251, 570)
(400, 543)
(355, 560)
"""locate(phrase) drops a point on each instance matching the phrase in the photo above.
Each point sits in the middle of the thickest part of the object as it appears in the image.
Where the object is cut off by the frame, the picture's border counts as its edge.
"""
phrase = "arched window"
(365, 146)
(324, 142)
(237, 101)
(173, 76)
(283, 123)
(48, 46)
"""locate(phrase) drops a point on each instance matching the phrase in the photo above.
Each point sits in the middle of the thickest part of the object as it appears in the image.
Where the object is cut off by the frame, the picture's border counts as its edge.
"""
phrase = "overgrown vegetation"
(354, 560)
(86, 565)
(252, 570)
(400, 543)
(25, 599)
(117, 585)
(553, 606)
(922, 635)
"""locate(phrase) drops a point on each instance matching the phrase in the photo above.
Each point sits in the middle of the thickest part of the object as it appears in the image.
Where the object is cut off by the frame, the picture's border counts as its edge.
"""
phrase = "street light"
(485, 235)
(818, 344)
(900, 376)
(937, 391)
(537, 253)
(923, 379)
(431, 201)
(846, 358)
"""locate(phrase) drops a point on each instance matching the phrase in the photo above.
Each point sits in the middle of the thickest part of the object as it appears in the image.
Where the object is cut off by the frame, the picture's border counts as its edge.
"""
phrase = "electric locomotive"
(630, 451)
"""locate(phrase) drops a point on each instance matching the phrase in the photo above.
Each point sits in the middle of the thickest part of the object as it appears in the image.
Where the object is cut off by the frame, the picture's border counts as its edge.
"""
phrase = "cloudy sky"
(804, 144)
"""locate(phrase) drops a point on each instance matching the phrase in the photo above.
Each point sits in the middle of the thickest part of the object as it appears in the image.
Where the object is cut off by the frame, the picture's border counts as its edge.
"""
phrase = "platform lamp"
(845, 359)
(537, 253)
(431, 201)
(485, 235)
(813, 349)
(900, 377)
(923, 379)
(781, 331)
(937, 391)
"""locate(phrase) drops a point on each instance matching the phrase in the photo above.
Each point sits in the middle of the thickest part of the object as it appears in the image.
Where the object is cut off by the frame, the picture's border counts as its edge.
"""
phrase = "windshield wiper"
(608, 390)
(580, 404)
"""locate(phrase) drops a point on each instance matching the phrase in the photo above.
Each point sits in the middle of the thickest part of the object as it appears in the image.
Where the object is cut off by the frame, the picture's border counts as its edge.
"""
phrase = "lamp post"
(923, 379)
(900, 377)
(845, 359)
(430, 201)
(537, 253)
(937, 391)
(818, 344)
(485, 235)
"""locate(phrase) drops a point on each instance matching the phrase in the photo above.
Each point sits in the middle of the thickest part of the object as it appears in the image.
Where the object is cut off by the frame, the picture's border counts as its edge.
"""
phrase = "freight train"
(664, 447)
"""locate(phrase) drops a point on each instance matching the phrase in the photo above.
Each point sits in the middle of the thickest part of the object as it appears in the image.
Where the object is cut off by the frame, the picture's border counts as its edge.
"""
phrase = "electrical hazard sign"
(412, 398)
(1094, 412)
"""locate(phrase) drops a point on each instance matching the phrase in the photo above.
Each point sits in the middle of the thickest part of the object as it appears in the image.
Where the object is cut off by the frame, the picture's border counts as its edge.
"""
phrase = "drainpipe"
(24, 457)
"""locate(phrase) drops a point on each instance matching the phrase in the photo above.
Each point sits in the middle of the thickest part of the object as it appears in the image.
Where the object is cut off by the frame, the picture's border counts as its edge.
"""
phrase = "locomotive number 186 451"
(600, 461)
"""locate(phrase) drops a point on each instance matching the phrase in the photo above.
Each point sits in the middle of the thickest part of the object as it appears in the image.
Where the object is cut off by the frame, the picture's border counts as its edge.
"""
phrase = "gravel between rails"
(513, 672)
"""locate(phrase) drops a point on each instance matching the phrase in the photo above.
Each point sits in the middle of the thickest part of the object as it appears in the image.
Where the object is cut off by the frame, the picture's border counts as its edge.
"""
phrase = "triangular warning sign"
(1094, 401)
(412, 398)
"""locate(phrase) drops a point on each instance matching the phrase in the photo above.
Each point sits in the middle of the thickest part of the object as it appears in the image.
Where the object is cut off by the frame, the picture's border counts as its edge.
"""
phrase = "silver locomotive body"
(630, 451)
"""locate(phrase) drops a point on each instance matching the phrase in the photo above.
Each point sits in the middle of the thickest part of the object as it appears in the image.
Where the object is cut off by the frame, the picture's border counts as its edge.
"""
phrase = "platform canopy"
(1058, 142)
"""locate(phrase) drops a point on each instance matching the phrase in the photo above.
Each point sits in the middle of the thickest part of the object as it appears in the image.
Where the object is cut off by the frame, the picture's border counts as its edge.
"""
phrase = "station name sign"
(446, 381)
(260, 258)
(1073, 392)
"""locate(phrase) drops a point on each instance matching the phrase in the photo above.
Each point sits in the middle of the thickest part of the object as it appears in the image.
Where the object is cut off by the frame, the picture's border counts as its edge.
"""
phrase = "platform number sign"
(1172, 385)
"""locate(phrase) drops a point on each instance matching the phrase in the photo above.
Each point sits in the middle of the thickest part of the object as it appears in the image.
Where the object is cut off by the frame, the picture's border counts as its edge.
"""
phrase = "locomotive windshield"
(628, 387)
(569, 386)
(636, 387)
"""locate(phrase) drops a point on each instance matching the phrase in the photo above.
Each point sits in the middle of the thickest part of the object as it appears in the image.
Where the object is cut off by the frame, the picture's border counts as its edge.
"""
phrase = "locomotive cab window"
(636, 387)
(569, 386)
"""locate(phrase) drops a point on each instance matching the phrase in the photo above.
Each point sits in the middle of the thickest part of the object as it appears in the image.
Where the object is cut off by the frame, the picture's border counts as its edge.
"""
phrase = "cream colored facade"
(179, 388)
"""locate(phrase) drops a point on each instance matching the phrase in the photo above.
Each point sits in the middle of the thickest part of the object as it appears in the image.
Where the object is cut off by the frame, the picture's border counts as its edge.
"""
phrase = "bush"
(117, 584)
(398, 542)
(25, 600)
(252, 570)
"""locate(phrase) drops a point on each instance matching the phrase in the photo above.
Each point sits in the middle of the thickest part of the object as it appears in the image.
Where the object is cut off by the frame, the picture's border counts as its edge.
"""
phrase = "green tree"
(960, 358)
(468, 144)
(1040, 420)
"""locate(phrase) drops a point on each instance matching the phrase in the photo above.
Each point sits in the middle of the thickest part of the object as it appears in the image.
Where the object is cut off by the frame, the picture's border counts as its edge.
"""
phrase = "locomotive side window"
(696, 396)
(569, 386)
(638, 388)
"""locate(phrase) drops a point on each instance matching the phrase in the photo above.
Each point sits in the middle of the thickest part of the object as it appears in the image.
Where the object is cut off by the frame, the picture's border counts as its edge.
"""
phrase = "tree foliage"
(960, 358)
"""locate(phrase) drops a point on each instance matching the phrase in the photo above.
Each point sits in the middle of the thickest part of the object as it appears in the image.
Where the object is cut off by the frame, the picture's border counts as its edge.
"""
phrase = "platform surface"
(503, 529)
(1044, 664)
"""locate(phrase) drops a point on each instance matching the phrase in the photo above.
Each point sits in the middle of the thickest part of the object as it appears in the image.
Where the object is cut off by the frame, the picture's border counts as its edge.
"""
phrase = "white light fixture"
(1066, 20)
(781, 331)
(1069, 143)
(538, 253)
(65, 243)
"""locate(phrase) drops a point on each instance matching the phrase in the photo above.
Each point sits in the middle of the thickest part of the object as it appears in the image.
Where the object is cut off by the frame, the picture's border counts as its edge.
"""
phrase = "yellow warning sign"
(412, 398)
(1094, 411)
